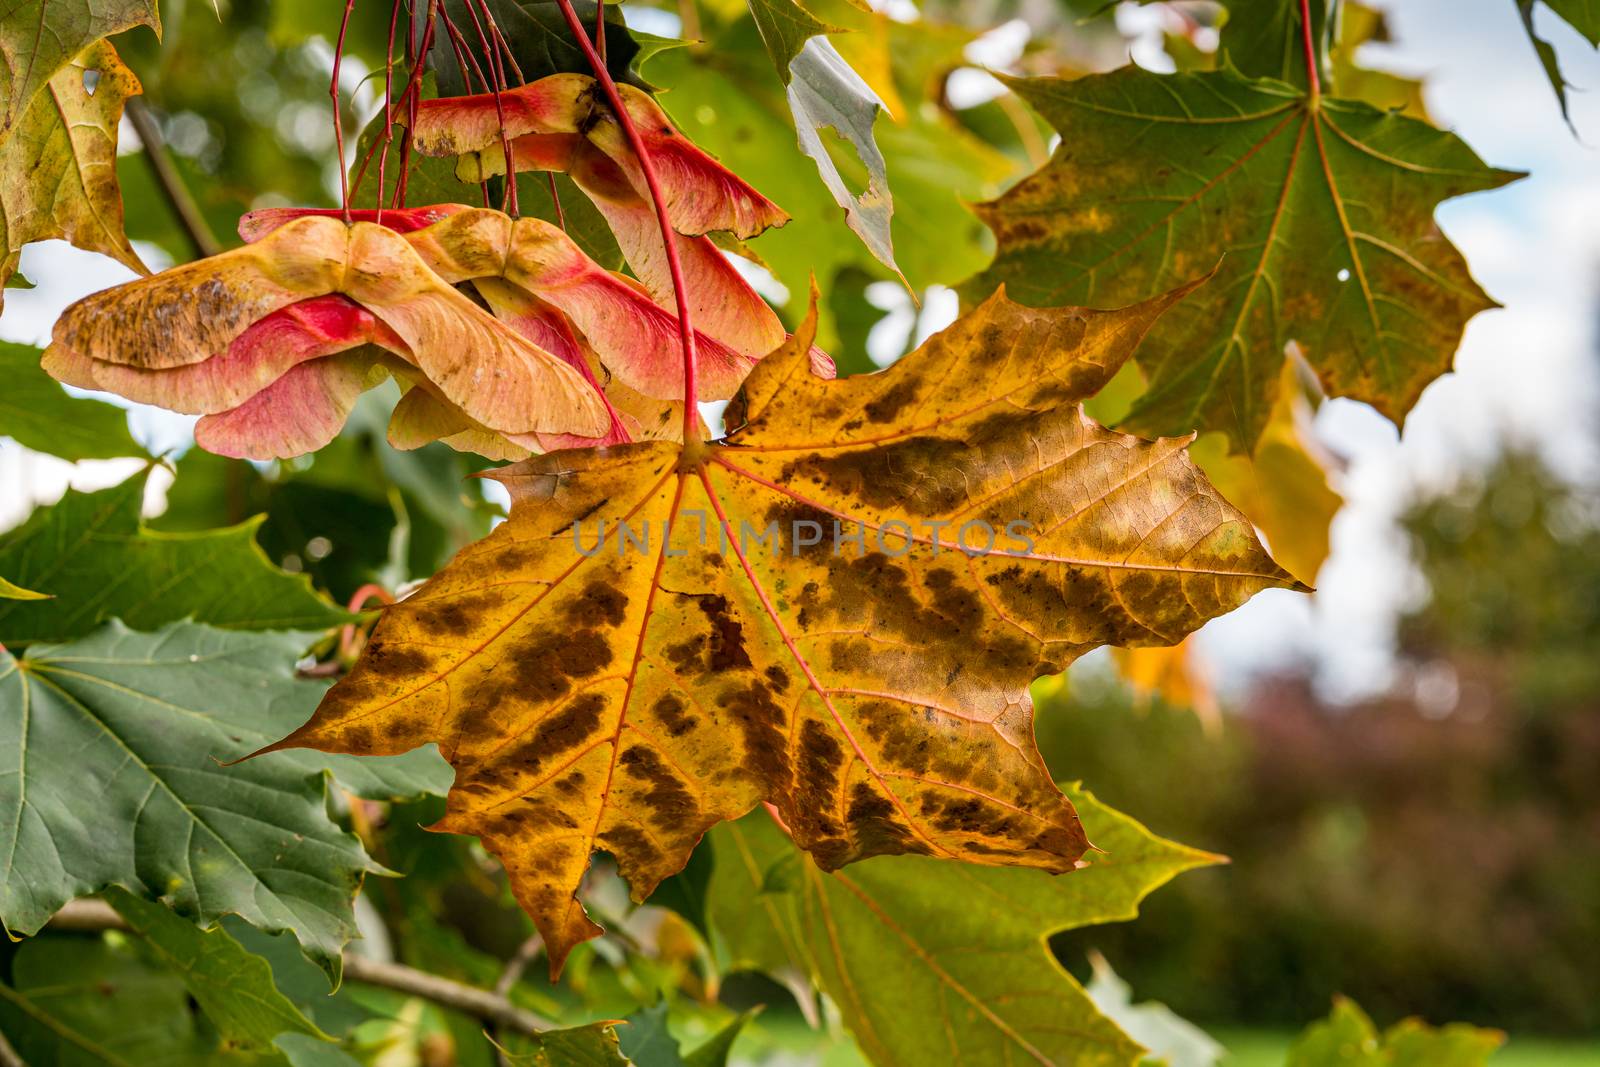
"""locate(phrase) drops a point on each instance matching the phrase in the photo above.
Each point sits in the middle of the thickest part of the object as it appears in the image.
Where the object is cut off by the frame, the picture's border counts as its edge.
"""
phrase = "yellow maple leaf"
(665, 634)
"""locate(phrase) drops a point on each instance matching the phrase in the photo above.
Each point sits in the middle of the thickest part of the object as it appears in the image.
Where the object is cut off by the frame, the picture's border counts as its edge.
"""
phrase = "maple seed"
(630, 701)
(196, 314)
(701, 194)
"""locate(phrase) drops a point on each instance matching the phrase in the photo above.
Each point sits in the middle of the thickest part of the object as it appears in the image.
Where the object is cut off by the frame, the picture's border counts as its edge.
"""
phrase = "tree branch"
(8, 1054)
(171, 182)
(451, 994)
(96, 915)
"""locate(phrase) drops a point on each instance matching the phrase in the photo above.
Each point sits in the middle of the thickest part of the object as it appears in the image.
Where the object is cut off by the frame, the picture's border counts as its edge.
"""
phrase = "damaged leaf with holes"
(58, 177)
(631, 694)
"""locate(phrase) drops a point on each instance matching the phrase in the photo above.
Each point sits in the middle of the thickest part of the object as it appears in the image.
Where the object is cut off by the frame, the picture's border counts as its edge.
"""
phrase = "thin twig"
(469, 1000)
(517, 965)
(388, 107)
(171, 182)
(8, 1054)
(512, 973)
(95, 915)
(491, 58)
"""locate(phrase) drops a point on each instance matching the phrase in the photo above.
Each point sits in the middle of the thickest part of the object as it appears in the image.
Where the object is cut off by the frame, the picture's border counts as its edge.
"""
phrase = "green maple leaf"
(1581, 15)
(39, 414)
(1319, 210)
(81, 1002)
(92, 557)
(963, 947)
(233, 986)
(1262, 38)
(146, 718)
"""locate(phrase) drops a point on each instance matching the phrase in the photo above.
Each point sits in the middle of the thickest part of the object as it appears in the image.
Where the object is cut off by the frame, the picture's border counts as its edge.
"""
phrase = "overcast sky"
(1528, 370)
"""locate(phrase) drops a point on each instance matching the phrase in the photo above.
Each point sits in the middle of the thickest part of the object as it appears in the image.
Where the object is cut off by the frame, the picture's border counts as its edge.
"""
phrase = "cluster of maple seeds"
(506, 337)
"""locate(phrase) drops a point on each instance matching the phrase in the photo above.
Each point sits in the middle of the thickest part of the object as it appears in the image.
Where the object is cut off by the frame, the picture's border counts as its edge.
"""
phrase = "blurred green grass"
(1267, 1048)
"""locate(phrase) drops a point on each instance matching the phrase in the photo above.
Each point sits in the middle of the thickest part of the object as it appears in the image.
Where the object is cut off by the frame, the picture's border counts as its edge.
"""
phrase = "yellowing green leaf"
(12, 591)
(1319, 210)
(631, 697)
(1283, 487)
(964, 948)
(1359, 25)
(58, 166)
(1173, 674)
(39, 37)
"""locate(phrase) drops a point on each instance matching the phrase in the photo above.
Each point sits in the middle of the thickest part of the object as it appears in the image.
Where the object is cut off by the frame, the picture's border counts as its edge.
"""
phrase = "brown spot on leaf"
(672, 807)
(893, 401)
(672, 711)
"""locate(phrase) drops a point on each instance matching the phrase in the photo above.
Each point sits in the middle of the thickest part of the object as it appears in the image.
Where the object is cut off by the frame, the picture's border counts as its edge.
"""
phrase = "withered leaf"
(39, 38)
(857, 669)
(58, 162)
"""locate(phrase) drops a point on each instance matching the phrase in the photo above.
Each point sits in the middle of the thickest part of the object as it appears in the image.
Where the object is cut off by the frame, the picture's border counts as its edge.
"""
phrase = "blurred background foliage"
(1434, 851)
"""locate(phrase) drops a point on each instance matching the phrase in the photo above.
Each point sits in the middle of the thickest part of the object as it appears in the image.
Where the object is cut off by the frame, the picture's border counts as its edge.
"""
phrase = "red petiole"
(1313, 82)
(388, 107)
(691, 416)
(338, 120)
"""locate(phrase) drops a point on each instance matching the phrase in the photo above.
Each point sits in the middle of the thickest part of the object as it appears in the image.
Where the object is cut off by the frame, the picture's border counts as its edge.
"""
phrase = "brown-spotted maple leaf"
(257, 323)
(861, 673)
